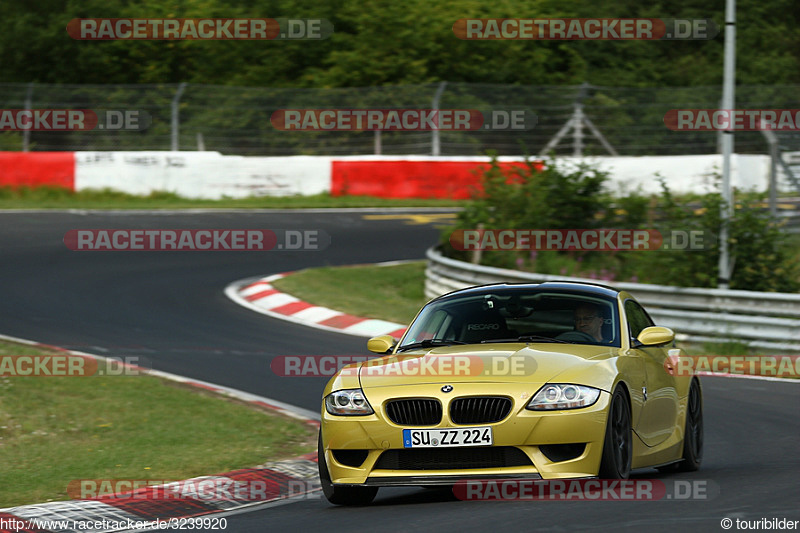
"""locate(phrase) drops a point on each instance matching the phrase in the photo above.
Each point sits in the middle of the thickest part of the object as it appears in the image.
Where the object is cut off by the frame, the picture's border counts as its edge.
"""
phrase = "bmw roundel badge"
(447, 388)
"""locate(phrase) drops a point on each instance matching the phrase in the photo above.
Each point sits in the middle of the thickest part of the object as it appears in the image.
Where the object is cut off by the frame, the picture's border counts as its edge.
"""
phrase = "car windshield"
(516, 315)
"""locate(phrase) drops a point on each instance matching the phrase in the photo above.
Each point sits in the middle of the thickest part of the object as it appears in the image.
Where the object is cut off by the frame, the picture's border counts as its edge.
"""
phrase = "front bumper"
(534, 433)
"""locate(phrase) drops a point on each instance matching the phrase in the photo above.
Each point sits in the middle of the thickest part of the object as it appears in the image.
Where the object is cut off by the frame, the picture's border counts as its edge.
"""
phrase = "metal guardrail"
(763, 320)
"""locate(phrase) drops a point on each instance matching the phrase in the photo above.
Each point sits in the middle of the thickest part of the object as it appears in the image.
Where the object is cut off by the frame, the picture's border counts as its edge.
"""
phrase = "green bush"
(524, 198)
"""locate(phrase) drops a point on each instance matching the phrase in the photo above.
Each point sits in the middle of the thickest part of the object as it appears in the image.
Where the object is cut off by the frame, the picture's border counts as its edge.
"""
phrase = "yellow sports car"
(511, 381)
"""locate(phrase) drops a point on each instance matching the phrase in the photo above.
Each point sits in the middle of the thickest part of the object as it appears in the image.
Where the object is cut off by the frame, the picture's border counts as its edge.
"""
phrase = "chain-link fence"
(236, 120)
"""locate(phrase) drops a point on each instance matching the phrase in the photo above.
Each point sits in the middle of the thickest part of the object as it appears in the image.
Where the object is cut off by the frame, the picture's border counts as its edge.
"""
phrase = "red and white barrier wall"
(37, 169)
(212, 175)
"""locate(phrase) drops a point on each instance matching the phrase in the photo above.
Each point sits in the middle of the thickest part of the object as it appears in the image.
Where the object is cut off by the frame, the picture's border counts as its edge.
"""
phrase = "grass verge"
(58, 198)
(57, 429)
(393, 293)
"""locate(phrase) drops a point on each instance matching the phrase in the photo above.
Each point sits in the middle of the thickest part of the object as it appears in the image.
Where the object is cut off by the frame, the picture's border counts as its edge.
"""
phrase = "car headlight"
(348, 402)
(563, 396)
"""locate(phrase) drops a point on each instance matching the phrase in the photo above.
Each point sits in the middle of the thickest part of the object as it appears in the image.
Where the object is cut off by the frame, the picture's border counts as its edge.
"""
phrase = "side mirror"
(381, 344)
(655, 335)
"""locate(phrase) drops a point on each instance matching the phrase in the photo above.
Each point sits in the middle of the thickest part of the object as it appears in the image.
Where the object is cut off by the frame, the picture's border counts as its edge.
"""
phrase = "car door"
(660, 408)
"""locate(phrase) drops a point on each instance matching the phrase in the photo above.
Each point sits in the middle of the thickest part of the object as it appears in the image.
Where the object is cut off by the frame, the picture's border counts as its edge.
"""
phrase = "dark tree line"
(385, 42)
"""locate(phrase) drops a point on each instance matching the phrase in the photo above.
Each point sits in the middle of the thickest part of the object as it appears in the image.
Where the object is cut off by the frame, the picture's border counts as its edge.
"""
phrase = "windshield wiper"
(527, 338)
(429, 343)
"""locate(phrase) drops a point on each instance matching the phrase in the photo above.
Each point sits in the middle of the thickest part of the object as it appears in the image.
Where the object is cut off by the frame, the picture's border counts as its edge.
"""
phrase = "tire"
(337, 494)
(618, 444)
(693, 433)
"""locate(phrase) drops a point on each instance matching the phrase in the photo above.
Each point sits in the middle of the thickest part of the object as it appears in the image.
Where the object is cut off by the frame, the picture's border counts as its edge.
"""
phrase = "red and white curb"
(277, 481)
(139, 509)
(259, 295)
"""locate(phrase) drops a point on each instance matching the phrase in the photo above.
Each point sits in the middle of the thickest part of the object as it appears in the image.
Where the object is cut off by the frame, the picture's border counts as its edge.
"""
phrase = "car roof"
(594, 289)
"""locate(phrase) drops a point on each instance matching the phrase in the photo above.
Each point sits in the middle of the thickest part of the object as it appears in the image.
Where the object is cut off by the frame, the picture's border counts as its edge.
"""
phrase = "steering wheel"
(579, 336)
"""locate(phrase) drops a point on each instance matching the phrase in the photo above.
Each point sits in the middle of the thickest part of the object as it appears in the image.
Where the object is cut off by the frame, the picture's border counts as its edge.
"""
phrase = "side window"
(637, 318)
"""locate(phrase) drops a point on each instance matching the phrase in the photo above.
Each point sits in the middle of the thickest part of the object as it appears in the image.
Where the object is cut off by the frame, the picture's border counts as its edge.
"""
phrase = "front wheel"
(341, 495)
(618, 445)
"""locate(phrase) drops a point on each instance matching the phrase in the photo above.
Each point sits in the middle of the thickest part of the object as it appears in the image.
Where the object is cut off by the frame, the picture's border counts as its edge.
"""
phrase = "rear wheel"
(693, 435)
(618, 445)
(337, 494)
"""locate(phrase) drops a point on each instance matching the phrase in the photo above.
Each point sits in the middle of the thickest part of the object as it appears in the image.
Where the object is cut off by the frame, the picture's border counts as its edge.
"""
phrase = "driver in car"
(589, 319)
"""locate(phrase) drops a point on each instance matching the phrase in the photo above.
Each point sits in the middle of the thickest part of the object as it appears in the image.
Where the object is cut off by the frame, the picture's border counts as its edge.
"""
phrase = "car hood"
(501, 362)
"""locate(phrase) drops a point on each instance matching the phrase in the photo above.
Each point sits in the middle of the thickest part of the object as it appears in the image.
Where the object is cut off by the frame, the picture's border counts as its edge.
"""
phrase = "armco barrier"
(763, 320)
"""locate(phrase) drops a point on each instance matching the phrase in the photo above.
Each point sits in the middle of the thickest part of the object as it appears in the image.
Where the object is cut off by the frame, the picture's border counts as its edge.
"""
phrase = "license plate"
(446, 438)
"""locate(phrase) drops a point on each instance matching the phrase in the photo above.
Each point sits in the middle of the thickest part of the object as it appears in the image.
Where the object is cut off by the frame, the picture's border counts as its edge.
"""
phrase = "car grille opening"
(354, 458)
(452, 458)
(414, 412)
(479, 410)
(562, 452)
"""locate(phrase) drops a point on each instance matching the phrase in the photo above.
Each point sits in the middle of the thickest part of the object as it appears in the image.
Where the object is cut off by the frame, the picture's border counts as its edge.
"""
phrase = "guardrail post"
(26, 135)
(175, 124)
(436, 148)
